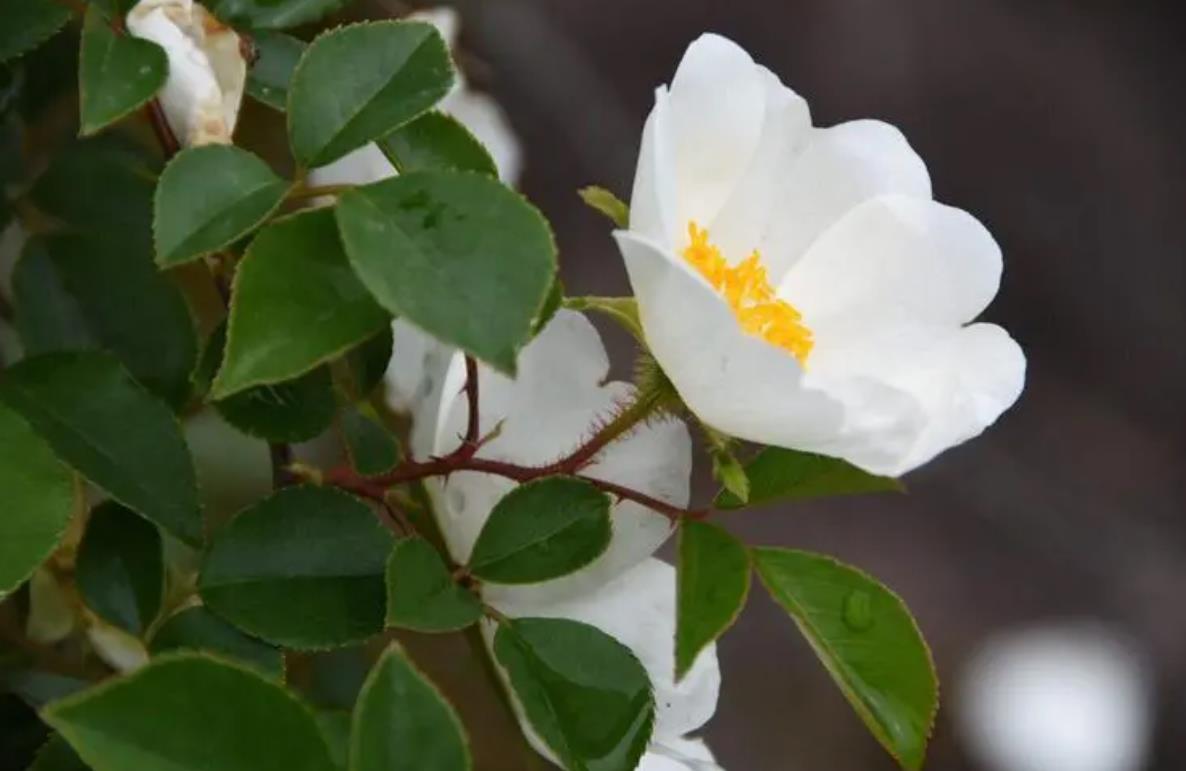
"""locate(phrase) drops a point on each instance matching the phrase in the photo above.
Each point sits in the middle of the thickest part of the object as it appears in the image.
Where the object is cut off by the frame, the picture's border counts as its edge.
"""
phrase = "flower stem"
(643, 407)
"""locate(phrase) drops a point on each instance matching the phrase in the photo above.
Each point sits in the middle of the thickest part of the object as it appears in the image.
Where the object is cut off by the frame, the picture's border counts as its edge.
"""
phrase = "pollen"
(747, 291)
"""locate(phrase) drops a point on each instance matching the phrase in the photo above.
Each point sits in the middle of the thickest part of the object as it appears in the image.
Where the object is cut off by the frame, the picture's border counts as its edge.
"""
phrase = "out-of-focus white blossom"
(207, 69)
(799, 285)
(477, 111)
(1074, 697)
(120, 650)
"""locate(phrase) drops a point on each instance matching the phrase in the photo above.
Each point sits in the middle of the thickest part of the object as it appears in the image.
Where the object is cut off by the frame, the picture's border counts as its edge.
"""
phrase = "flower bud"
(207, 69)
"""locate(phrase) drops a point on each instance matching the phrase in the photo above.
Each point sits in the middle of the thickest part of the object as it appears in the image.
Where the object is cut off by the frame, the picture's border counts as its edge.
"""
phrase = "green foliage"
(277, 55)
(39, 497)
(208, 198)
(542, 530)
(189, 712)
(585, 693)
(607, 203)
(366, 363)
(621, 310)
(57, 755)
(293, 411)
(123, 171)
(117, 73)
(457, 254)
(294, 276)
(713, 584)
(371, 447)
(197, 629)
(303, 569)
(403, 723)
(28, 23)
(868, 641)
(86, 291)
(777, 474)
(422, 595)
(121, 568)
(436, 142)
(103, 424)
(273, 14)
(356, 84)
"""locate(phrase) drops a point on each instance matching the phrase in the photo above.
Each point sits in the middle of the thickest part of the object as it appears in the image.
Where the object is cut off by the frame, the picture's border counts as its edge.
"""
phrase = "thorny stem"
(471, 398)
(463, 459)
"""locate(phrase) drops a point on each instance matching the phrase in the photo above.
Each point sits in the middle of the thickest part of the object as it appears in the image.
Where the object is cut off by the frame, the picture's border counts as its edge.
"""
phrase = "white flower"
(476, 111)
(207, 70)
(799, 285)
(1069, 696)
(559, 394)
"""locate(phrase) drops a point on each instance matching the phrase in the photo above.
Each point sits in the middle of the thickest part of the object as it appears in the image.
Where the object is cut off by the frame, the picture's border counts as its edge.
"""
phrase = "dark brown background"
(1060, 125)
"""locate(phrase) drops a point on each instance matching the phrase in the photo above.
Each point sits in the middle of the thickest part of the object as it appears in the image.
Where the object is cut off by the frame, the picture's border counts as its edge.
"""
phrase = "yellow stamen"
(748, 292)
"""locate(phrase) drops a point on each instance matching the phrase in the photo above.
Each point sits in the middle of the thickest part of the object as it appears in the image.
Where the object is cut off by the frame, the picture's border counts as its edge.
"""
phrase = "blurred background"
(1046, 561)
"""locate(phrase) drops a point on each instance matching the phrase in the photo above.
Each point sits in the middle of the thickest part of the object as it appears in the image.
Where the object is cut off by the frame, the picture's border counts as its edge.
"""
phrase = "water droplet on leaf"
(858, 611)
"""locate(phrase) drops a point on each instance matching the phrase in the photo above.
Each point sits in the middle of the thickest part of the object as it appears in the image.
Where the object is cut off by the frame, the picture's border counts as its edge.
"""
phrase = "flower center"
(747, 291)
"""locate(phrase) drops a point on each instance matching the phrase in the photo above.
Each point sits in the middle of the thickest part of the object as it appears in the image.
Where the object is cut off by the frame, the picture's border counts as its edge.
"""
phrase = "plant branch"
(634, 413)
(473, 420)
(303, 192)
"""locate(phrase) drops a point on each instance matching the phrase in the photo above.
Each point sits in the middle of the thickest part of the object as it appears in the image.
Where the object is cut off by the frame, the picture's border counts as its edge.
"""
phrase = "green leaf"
(403, 723)
(277, 55)
(607, 203)
(358, 83)
(585, 693)
(422, 595)
(28, 24)
(197, 629)
(296, 304)
(866, 638)
(38, 500)
(542, 530)
(335, 729)
(293, 411)
(189, 712)
(302, 569)
(436, 142)
(713, 583)
(86, 291)
(731, 474)
(98, 420)
(208, 198)
(117, 73)
(777, 474)
(121, 568)
(622, 310)
(57, 755)
(553, 303)
(124, 172)
(372, 448)
(273, 14)
(457, 254)
(367, 363)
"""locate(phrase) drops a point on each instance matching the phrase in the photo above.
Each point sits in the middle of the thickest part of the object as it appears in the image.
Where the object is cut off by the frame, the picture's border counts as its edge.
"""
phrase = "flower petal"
(560, 386)
(207, 71)
(840, 167)
(895, 258)
(415, 381)
(963, 378)
(733, 381)
(717, 103)
(363, 166)
(638, 610)
(756, 208)
(653, 199)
